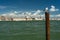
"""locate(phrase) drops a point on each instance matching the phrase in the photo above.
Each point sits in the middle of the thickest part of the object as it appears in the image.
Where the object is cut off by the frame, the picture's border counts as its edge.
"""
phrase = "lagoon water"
(28, 30)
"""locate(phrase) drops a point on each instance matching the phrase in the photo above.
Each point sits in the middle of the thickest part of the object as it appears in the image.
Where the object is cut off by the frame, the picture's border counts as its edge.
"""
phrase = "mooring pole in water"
(47, 25)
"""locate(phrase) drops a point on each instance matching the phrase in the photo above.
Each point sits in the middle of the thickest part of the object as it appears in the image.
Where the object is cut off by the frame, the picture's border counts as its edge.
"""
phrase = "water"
(28, 30)
(55, 30)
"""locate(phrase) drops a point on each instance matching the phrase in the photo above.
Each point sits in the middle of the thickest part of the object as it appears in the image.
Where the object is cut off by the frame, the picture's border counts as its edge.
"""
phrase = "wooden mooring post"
(47, 25)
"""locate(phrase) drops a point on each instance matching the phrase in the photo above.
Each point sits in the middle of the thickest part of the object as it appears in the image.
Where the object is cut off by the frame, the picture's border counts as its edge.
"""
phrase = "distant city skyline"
(15, 7)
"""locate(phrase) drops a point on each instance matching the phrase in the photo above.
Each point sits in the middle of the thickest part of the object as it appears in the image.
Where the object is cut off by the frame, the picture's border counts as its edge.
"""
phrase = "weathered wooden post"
(47, 24)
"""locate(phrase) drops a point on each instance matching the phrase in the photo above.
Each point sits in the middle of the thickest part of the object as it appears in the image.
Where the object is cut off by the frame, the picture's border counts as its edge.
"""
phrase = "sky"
(29, 6)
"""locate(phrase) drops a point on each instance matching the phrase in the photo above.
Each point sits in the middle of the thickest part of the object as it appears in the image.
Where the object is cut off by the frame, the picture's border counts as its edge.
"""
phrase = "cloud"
(34, 14)
(3, 14)
(15, 12)
(27, 13)
(23, 14)
(3, 7)
(9, 14)
(58, 15)
(53, 8)
(37, 12)
(52, 15)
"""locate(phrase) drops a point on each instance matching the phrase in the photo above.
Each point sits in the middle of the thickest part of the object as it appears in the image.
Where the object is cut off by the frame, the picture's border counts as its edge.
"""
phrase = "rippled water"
(28, 30)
